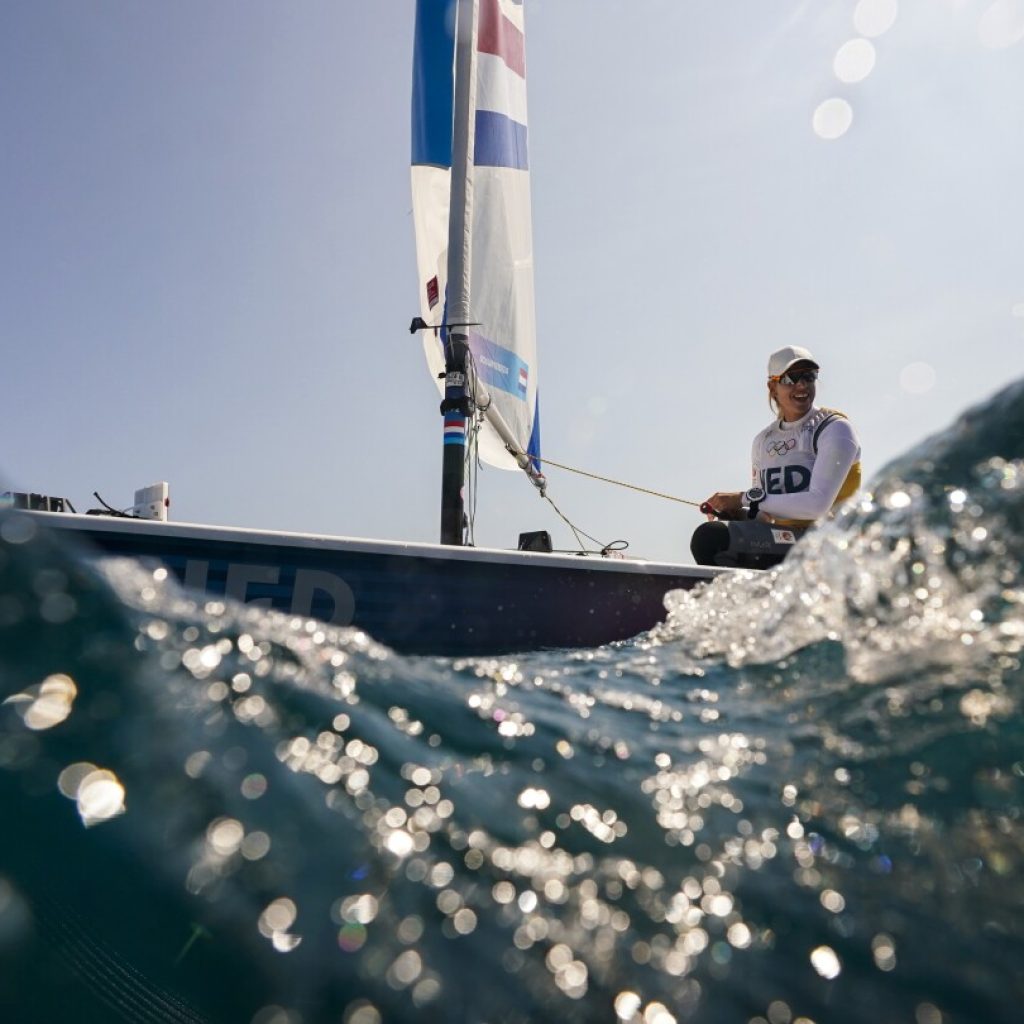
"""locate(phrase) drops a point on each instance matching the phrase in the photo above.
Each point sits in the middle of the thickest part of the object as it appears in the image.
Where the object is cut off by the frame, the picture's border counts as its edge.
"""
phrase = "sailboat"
(471, 200)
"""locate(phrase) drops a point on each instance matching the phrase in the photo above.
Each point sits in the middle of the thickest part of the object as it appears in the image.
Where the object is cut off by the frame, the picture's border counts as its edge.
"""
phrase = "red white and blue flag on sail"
(500, 139)
(503, 343)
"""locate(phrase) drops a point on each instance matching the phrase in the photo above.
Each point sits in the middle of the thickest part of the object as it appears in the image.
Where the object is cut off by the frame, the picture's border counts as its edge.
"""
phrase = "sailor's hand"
(725, 505)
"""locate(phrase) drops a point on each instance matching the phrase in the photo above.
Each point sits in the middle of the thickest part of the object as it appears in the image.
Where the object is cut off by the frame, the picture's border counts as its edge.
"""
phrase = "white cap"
(779, 362)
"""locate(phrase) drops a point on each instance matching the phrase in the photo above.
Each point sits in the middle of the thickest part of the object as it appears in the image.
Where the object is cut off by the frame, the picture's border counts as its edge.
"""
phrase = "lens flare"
(873, 18)
(832, 119)
(917, 378)
(854, 61)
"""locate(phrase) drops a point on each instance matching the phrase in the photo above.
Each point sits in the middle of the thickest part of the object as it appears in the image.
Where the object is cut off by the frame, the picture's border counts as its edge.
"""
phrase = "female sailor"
(805, 462)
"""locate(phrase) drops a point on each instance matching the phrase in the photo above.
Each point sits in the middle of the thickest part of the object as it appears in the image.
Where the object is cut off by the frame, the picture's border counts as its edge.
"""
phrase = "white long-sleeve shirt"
(806, 467)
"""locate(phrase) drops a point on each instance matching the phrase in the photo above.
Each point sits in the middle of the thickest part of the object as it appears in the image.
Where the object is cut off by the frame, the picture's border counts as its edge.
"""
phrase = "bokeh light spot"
(626, 1005)
(854, 61)
(100, 797)
(225, 836)
(872, 18)
(361, 1012)
(254, 786)
(832, 118)
(46, 705)
(352, 937)
(825, 962)
(1002, 24)
(917, 378)
(279, 915)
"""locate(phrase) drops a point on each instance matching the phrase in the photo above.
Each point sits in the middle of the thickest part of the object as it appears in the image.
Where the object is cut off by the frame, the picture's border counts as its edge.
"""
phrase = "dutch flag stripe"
(500, 142)
(498, 89)
(498, 35)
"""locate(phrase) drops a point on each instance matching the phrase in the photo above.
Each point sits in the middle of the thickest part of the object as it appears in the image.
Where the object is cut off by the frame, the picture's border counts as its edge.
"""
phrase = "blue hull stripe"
(417, 604)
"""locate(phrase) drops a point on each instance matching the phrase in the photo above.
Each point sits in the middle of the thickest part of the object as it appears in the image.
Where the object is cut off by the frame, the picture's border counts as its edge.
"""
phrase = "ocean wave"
(799, 800)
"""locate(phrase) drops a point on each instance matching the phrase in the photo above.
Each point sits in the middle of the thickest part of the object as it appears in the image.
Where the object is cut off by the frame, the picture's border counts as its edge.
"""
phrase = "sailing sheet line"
(544, 460)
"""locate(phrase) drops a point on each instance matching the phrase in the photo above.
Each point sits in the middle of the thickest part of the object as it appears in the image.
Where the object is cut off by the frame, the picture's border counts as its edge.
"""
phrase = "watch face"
(755, 494)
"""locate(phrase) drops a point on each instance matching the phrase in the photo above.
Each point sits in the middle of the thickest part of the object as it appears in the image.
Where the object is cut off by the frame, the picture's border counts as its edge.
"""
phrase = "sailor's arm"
(726, 505)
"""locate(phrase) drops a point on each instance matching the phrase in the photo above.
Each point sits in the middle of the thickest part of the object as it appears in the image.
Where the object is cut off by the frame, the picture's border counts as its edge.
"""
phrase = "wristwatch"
(754, 497)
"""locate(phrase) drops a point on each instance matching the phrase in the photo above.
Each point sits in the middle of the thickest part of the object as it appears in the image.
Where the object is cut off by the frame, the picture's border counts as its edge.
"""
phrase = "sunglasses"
(798, 376)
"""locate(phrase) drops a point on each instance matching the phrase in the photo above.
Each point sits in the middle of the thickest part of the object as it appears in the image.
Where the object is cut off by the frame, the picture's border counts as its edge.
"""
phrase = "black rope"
(109, 510)
(615, 545)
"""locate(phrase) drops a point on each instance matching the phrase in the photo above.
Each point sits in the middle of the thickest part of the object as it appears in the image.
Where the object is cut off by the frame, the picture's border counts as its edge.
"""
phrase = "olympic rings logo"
(781, 447)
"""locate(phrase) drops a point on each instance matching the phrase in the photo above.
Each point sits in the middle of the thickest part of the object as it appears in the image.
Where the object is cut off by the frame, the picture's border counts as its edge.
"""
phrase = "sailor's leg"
(709, 540)
(757, 545)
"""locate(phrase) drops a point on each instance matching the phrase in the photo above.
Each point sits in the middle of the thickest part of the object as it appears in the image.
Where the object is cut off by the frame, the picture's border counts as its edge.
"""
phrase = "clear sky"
(207, 266)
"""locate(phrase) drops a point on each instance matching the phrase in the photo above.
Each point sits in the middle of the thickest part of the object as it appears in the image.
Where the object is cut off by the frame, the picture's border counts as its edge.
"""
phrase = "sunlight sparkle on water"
(71, 778)
(278, 916)
(883, 949)
(825, 962)
(400, 843)
(534, 799)
(255, 846)
(46, 705)
(362, 1012)
(100, 797)
(628, 808)
(275, 923)
(225, 836)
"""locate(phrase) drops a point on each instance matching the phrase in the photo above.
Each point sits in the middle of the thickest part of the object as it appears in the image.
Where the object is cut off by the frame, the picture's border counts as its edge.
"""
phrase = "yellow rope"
(619, 483)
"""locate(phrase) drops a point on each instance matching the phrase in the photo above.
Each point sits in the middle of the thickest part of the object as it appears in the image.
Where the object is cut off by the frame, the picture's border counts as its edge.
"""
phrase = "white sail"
(497, 279)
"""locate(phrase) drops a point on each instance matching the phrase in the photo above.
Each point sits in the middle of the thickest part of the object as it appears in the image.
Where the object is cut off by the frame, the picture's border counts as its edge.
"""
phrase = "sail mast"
(471, 208)
(457, 406)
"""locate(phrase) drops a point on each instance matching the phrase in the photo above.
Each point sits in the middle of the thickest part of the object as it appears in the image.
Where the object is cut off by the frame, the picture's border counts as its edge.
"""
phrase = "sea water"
(799, 800)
